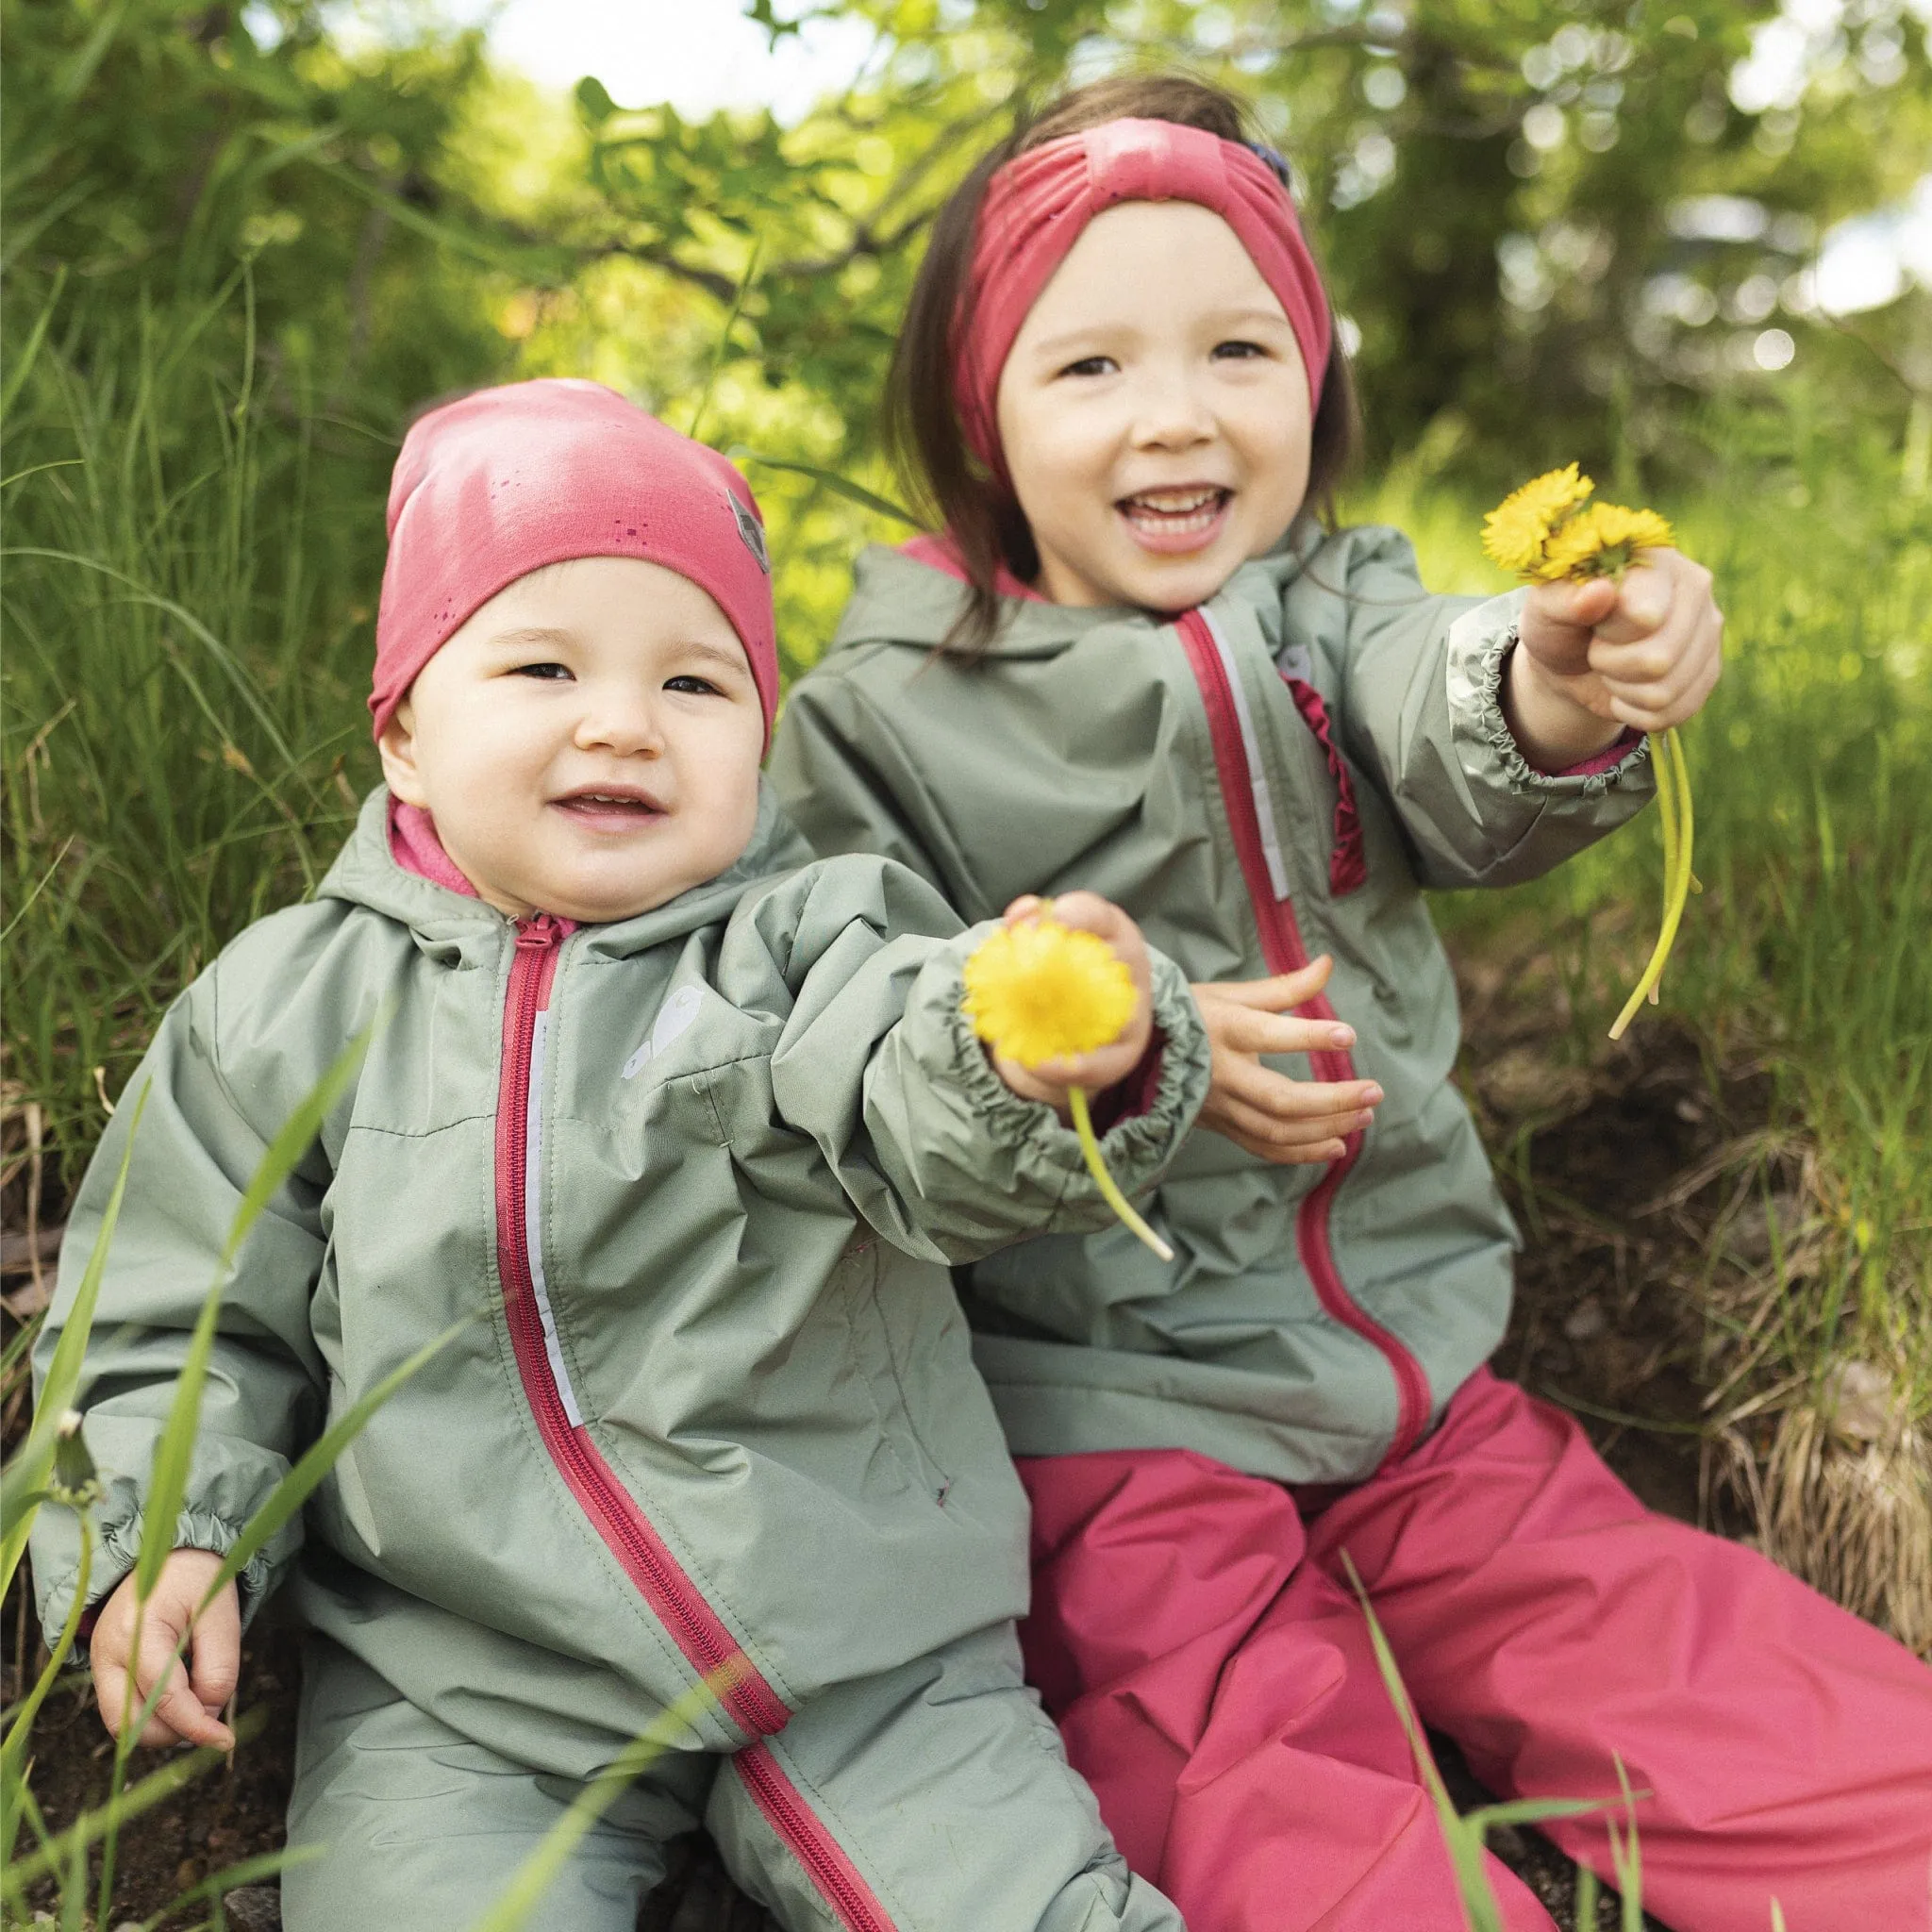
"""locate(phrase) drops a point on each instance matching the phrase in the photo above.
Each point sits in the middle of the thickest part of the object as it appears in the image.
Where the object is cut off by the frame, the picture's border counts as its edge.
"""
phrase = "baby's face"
(1154, 411)
(588, 742)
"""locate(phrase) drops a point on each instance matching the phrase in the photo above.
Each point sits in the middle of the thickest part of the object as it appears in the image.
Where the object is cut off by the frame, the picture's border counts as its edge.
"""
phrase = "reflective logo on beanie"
(751, 530)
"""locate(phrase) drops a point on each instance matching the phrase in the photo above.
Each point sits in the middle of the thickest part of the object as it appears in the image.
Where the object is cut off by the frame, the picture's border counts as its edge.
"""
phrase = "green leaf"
(20, 1733)
(27, 1474)
(294, 1488)
(840, 486)
(594, 102)
(534, 1876)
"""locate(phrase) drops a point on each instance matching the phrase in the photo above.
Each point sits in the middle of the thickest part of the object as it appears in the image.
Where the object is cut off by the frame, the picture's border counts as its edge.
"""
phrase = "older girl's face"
(1154, 412)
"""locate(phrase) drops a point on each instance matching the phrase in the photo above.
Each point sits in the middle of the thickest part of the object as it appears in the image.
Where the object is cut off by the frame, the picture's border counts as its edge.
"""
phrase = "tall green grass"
(1806, 956)
(186, 619)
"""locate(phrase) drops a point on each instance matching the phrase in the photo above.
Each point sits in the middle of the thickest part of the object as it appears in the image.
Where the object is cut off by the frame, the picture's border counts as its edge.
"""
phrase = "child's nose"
(1171, 412)
(620, 722)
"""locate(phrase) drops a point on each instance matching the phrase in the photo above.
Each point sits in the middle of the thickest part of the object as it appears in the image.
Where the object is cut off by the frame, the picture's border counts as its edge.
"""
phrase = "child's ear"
(397, 744)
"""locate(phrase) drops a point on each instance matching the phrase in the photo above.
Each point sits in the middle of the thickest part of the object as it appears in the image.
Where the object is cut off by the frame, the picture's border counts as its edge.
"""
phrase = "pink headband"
(1037, 206)
(500, 483)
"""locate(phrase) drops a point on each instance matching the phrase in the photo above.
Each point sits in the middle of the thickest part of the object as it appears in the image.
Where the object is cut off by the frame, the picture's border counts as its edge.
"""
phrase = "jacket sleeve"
(879, 1066)
(1421, 714)
(195, 1150)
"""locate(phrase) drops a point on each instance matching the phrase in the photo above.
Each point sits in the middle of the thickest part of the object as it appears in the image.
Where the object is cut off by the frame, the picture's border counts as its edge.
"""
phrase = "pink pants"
(1199, 1645)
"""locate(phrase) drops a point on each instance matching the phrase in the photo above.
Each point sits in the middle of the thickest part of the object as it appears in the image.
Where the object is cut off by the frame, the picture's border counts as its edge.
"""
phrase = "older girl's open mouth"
(1176, 521)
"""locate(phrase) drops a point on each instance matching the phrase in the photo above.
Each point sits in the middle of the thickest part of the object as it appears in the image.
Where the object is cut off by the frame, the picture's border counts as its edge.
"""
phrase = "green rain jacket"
(1276, 774)
(689, 1184)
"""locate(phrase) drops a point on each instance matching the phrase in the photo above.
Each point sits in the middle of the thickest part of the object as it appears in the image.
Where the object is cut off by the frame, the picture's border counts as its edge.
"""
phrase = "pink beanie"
(1037, 205)
(500, 483)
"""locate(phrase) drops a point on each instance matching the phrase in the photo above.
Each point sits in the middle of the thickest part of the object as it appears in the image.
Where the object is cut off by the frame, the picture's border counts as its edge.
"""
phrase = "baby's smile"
(610, 808)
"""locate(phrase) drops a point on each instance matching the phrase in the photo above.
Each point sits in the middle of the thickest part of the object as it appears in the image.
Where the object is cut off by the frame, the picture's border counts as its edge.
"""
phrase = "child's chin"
(1177, 584)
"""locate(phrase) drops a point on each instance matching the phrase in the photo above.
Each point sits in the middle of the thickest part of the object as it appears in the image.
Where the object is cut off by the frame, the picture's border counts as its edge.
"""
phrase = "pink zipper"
(700, 1633)
(828, 1868)
(1281, 948)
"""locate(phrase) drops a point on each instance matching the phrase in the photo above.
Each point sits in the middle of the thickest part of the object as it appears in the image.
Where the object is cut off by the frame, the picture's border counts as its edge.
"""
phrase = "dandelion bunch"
(1549, 530)
(1040, 991)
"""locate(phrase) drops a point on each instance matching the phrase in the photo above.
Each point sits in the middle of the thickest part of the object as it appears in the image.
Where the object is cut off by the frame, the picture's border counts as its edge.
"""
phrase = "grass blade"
(249, 1872)
(13, 1752)
(839, 486)
(1585, 1899)
(168, 1480)
(294, 1488)
(95, 1824)
(534, 1876)
(26, 1476)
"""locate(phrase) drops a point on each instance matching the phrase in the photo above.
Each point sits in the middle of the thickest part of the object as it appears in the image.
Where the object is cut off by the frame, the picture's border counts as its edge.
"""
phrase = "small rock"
(1858, 1400)
(254, 1908)
(1523, 1081)
(1586, 1321)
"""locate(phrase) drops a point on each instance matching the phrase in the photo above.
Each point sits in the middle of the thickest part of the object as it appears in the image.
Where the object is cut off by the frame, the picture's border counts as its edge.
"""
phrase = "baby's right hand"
(189, 1711)
(1264, 1112)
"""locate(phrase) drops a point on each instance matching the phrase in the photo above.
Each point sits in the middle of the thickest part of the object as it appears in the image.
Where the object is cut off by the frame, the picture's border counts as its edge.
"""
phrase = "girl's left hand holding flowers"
(1600, 654)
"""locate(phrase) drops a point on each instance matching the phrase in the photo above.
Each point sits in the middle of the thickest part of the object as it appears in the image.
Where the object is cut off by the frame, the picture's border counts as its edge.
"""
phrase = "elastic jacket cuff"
(1479, 645)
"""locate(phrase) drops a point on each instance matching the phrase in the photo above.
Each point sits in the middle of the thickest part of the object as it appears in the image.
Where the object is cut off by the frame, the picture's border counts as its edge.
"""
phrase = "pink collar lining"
(940, 554)
(415, 847)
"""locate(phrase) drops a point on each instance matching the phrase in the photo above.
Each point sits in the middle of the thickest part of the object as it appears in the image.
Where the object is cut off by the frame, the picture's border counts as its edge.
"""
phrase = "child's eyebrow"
(526, 634)
(721, 654)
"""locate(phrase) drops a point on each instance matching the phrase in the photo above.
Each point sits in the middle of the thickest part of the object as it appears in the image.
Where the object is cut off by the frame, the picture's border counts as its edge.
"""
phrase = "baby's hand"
(1099, 1070)
(1642, 652)
(1266, 1113)
(188, 1711)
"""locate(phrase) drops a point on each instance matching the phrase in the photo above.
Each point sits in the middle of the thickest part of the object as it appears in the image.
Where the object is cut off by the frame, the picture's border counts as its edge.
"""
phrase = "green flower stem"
(1674, 802)
(1109, 1190)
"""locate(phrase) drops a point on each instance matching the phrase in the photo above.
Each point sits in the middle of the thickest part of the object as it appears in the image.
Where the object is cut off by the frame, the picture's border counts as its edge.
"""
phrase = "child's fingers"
(215, 1662)
(1647, 595)
(1570, 603)
(177, 1713)
(1240, 1029)
(1282, 1143)
(1027, 905)
(1281, 1098)
(1280, 994)
(1664, 679)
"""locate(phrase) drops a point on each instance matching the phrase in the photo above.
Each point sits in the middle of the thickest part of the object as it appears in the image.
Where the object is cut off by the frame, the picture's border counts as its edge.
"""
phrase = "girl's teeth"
(1195, 510)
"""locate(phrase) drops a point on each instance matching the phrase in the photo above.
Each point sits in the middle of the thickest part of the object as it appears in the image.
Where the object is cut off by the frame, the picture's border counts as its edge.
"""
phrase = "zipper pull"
(537, 934)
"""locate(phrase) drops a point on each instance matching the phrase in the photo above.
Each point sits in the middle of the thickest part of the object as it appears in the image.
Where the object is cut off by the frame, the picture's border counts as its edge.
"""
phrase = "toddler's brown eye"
(548, 670)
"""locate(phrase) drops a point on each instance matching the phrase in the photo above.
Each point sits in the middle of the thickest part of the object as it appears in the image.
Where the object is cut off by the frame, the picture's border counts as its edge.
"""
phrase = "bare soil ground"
(1590, 1161)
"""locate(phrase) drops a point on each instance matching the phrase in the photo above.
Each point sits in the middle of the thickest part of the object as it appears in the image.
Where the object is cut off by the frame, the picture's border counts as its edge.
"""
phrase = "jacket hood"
(898, 599)
(452, 925)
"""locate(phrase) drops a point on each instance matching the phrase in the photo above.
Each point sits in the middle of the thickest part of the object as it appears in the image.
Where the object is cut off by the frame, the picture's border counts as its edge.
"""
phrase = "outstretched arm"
(879, 1065)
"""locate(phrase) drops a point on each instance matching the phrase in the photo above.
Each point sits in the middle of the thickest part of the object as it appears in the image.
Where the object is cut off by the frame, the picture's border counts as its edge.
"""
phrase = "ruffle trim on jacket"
(1483, 671)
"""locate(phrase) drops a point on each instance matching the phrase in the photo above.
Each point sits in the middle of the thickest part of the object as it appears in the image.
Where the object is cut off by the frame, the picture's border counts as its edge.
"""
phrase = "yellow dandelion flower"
(1042, 992)
(1546, 532)
(1601, 540)
(1516, 531)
